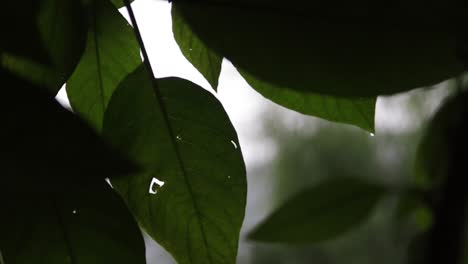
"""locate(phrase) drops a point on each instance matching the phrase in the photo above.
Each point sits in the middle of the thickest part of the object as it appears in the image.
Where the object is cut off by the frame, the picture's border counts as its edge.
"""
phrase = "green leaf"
(349, 110)
(46, 148)
(320, 213)
(111, 53)
(204, 59)
(91, 226)
(192, 199)
(62, 27)
(353, 50)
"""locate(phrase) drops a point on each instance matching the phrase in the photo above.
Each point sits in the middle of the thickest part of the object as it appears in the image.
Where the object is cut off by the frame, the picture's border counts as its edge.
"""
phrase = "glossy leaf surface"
(111, 53)
(354, 50)
(320, 213)
(192, 198)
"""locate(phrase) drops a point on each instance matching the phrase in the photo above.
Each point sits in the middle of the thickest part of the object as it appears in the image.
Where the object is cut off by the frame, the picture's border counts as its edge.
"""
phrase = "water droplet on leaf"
(109, 182)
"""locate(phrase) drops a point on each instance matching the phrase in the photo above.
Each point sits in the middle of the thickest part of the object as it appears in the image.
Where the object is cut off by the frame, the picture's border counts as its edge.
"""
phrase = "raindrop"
(229, 177)
(234, 144)
(190, 49)
(178, 137)
(109, 182)
(74, 211)
(152, 189)
(371, 134)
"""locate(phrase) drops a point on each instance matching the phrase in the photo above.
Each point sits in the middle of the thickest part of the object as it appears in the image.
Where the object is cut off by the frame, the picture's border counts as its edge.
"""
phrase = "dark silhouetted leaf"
(192, 199)
(320, 213)
(336, 48)
(20, 32)
(62, 27)
(91, 226)
(111, 53)
(355, 111)
(46, 148)
(204, 59)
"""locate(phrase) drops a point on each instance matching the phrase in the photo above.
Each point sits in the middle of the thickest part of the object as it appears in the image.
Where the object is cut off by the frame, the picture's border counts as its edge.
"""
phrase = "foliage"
(168, 149)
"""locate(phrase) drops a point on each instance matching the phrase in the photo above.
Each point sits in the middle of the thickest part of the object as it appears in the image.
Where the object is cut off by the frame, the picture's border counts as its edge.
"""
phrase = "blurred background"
(285, 151)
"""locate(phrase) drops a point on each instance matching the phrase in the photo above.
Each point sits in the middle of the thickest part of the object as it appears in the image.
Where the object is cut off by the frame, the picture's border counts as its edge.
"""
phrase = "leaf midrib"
(98, 57)
(172, 136)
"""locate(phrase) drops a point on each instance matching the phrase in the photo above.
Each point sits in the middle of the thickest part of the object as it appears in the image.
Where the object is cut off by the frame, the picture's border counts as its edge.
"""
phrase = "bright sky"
(245, 107)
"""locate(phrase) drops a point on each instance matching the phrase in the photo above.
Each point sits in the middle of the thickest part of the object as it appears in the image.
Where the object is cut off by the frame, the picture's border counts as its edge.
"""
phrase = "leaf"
(355, 111)
(320, 213)
(354, 50)
(207, 62)
(119, 3)
(349, 110)
(91, 226)
(19, 30)
(53, 164)
(195, 186)
(111, 53)
(62, 28)
(46, 148)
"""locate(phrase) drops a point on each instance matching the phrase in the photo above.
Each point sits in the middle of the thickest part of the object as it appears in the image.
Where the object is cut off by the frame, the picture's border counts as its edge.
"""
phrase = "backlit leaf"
(111, 53)
(192, 198)
(204, 59)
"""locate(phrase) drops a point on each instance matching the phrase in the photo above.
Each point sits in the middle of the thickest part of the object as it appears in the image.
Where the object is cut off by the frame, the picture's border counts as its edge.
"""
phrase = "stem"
(139, 39)
(163, 109)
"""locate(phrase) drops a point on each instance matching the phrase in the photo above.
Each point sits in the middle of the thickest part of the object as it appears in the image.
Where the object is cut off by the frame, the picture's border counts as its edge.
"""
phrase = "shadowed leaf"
(91, 226)
(357, 49)
(62, 27)
(320, 213)
(46, 148)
